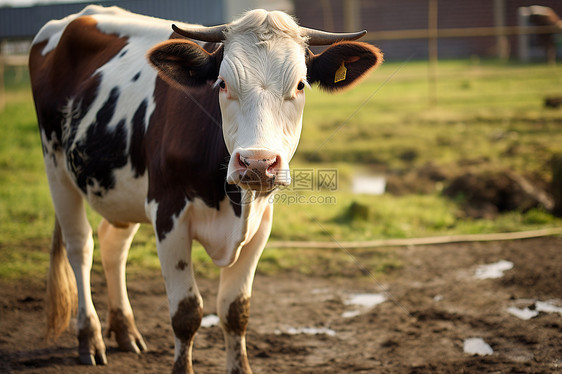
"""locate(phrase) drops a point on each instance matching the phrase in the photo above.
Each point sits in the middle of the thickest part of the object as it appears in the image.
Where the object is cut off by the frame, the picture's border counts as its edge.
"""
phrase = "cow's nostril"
(271, 168)
(242, 162)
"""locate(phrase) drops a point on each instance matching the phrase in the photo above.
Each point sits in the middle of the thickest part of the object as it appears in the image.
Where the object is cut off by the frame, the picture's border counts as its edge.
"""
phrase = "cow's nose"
(259, 170)
(263, 166)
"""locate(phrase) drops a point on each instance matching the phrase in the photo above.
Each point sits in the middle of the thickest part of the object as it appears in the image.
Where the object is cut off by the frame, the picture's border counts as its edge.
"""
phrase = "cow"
(185, 127)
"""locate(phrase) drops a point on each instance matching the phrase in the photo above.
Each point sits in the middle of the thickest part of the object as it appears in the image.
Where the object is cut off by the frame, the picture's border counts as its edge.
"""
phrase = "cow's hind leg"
(114, 246)
(77, 236)
(233, 301)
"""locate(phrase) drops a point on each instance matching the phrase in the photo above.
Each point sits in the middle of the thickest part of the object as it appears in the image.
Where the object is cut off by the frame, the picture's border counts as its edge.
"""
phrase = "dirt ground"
(434, 303)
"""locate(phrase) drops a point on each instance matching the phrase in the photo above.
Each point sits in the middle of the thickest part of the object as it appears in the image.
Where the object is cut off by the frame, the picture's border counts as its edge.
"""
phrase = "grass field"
(488, 114)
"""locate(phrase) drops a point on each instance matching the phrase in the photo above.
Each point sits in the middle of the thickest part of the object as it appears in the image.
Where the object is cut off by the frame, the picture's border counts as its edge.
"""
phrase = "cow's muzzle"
(258, 170)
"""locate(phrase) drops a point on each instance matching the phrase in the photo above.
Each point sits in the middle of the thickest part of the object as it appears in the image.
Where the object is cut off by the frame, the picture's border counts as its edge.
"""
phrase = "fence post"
(432, 45)
(2, 88)
(523, 39)
(557, 184)
(502, 44)
(351, 15)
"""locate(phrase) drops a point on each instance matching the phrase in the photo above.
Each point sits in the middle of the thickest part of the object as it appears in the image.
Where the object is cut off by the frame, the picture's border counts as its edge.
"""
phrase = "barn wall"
(384, 15)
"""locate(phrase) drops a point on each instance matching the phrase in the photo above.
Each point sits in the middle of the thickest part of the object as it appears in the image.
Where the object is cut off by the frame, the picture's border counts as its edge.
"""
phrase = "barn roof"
(23, 23)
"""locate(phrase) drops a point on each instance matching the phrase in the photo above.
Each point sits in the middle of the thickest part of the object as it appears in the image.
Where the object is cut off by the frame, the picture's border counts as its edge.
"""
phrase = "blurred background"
(458, 132)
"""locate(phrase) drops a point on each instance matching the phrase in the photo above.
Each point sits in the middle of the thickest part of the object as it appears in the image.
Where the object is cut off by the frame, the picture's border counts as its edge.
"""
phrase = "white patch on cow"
(477, 346)
(494, 270)
(125, 202)
(221, 232)
(210, 321)
(264, 60)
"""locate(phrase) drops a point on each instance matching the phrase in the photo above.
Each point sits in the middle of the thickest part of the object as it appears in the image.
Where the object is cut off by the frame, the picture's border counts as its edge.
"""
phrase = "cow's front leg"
(185, 303)
(234, 297)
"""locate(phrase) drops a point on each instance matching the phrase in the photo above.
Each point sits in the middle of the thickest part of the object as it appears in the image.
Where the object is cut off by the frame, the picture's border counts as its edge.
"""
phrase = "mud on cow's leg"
(234, 327)
(114, 246)
(185, 323)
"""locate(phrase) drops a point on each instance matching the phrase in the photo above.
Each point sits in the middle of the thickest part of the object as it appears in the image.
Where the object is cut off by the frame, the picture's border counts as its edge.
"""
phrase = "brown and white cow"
(192, 140)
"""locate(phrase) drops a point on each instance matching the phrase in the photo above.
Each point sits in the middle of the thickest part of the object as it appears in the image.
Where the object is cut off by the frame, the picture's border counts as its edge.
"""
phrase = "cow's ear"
(185, 63)
(342, 64)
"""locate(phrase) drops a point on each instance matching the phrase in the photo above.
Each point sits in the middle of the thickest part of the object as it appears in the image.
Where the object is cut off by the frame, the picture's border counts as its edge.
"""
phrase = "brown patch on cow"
(181, 265)
(188, 158)
(238, 316)
(187, 319)
(67, 71)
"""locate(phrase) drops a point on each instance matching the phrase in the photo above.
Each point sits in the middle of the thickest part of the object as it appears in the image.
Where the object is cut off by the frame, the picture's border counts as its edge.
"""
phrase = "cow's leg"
(233, 301)
(184, 299)
(77, 235)
(114, 246)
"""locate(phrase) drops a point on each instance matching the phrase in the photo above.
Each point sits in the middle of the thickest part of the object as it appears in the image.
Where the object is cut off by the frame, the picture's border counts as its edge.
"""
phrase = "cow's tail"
(61, 287)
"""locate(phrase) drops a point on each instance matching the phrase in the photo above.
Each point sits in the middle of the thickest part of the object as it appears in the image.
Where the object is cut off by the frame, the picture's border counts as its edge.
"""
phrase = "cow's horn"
(214, 34)
(318, 37)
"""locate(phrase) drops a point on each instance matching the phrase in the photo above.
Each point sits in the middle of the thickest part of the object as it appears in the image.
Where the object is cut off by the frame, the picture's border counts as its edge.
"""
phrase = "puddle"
(492, 271)
(306, 331)
(547, 307)
(524, 314)
(366, 300)
(210, 321)
(477, 346)
(531, 312)
(351, 314)
(370, 185)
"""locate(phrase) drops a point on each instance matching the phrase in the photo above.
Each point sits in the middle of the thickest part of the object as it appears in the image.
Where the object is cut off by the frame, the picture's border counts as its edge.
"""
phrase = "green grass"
(488, 113)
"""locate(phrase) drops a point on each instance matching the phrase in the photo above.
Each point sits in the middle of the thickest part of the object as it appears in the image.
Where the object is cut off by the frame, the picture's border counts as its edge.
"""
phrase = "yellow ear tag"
(340, 73)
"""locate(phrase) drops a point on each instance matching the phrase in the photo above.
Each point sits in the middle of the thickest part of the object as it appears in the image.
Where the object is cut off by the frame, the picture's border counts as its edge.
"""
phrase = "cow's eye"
(300, 86)
(221, 83)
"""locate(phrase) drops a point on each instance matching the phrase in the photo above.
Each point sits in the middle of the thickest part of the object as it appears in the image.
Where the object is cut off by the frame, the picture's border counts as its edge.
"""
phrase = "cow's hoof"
(92, 360)
(137, 346)
(101, 358)
(126, 334)
(87, 360)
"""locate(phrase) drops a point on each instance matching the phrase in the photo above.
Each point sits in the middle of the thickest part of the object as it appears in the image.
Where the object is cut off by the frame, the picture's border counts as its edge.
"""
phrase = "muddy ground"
(434, 304)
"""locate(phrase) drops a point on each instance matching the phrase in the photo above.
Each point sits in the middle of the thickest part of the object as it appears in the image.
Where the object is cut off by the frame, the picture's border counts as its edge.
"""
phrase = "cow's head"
(261, 70)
